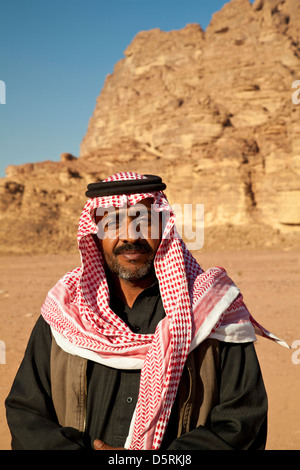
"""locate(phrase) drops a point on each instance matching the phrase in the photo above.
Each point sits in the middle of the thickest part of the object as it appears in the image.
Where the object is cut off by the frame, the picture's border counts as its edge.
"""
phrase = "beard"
(135, 272)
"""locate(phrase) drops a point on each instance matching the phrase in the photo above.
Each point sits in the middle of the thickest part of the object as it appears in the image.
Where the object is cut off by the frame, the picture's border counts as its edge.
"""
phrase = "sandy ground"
(268, 280)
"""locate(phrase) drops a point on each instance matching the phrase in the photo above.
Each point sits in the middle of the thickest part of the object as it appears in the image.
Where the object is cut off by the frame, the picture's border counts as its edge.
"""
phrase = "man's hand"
(100, 445)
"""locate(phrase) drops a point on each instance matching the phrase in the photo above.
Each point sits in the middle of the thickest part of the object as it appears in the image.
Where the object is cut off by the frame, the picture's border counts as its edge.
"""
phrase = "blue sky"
(54, 57)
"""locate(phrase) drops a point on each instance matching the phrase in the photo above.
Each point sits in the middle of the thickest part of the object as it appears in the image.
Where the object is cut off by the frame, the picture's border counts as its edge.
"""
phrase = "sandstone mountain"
(216, 113)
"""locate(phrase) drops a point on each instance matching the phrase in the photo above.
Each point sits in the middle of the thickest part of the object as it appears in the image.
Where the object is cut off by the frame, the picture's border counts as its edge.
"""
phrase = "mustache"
(137, 247)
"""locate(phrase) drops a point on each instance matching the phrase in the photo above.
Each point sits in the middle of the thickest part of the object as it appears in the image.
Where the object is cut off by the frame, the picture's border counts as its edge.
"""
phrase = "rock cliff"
(214, 113)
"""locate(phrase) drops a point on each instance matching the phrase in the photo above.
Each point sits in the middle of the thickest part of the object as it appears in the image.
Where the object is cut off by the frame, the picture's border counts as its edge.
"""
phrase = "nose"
(128, 230)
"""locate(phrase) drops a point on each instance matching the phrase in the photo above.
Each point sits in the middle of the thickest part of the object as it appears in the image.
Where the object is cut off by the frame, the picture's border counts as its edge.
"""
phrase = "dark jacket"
(221, 401)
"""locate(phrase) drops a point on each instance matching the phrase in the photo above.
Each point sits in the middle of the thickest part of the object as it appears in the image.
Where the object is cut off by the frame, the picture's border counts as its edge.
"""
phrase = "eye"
(143, 220)
(110, 223)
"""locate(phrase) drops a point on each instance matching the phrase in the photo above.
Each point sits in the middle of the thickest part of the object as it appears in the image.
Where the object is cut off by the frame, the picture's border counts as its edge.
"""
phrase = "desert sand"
(269, 281)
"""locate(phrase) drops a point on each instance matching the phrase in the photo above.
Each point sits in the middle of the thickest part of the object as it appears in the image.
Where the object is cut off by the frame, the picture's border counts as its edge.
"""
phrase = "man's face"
(129, 237)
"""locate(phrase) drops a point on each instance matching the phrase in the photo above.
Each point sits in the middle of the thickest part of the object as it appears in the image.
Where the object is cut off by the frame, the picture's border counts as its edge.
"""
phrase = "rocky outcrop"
(211, 112)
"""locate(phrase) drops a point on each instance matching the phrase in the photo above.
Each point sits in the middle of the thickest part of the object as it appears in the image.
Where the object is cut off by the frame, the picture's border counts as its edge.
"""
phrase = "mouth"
(133, 255)
(132, 251)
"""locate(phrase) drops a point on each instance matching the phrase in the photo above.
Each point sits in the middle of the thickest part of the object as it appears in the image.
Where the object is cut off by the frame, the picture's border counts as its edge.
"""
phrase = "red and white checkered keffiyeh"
(197, 303)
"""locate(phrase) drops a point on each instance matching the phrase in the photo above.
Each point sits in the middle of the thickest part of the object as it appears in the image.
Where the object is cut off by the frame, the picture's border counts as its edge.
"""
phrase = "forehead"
(143, 204)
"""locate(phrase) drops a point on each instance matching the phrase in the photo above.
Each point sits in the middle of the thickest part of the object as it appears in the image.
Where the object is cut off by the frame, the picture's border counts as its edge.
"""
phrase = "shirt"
(121, 386)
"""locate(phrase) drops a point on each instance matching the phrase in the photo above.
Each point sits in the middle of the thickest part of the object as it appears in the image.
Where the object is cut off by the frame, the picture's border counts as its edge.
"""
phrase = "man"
(139, 348)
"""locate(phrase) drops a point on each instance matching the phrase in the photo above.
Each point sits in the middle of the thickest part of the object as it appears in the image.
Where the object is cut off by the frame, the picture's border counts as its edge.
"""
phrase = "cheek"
(154, 244)
(106, 246)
